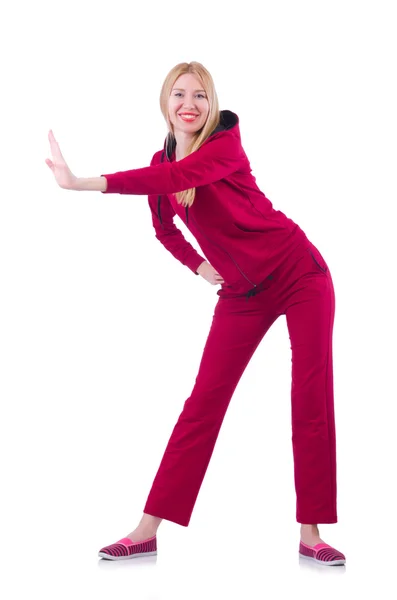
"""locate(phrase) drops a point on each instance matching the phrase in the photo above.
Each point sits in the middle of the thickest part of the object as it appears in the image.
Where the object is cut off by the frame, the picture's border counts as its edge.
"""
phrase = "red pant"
(301, 289)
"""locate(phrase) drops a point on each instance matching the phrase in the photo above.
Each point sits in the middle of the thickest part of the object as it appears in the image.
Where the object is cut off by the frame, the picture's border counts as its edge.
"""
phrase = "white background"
(102, 330)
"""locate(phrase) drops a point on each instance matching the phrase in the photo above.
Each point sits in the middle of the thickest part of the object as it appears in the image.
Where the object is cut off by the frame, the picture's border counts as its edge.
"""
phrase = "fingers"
(56, 152)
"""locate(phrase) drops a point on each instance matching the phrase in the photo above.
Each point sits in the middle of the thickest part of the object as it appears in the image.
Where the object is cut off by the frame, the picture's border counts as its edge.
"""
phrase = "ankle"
(311, 528)
(149, 524)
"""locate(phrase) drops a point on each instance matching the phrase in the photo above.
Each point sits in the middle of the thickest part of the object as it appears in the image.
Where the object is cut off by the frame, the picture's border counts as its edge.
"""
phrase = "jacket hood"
(227, 120)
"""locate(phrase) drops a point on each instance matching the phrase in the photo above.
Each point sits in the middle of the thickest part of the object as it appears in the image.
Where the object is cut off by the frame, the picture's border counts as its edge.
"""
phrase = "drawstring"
(159, 211)
(159, 200)
(159, 205)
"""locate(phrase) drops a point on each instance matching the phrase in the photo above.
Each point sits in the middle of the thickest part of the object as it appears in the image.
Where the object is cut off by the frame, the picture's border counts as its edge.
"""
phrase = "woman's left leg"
(309, 305)
(310, 310)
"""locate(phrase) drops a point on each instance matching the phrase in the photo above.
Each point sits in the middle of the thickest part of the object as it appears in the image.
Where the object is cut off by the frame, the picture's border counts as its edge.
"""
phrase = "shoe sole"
(137, 555)
(330, 563)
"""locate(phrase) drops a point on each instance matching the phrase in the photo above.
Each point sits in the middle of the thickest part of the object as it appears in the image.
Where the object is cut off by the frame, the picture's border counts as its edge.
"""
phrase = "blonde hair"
(186, 197)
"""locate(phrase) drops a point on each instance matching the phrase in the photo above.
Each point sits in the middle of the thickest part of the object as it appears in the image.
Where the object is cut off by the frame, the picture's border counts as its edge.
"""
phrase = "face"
(188, 96)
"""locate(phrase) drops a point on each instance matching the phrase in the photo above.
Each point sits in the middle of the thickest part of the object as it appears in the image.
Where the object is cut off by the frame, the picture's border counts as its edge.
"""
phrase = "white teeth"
(189, 117)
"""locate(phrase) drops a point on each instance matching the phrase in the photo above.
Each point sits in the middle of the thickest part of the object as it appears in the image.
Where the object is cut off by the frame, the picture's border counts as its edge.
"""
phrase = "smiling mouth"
(188, 117)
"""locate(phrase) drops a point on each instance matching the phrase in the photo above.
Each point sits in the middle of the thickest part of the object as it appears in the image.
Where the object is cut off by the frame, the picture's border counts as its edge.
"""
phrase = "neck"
(183, 140)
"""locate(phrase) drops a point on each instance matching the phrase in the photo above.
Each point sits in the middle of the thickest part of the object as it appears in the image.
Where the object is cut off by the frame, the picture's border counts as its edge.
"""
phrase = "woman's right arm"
(167, 233)
(95, 184)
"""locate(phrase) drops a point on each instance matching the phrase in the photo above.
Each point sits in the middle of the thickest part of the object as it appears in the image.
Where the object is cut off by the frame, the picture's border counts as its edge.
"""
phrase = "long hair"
(186, 197)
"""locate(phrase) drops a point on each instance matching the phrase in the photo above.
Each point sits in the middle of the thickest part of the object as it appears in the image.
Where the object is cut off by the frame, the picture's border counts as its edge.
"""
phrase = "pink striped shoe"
(126, 548)
(322, 553)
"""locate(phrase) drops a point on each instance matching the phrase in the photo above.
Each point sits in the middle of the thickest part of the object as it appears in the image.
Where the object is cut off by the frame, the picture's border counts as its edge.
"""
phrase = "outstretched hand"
(63, 175)
(208, 272)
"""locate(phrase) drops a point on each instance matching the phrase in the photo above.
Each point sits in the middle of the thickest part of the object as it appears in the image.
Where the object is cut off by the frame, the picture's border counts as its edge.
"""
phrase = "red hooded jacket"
(243, 237)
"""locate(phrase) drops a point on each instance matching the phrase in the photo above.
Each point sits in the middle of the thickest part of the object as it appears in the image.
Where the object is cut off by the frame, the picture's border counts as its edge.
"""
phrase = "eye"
(180, 94)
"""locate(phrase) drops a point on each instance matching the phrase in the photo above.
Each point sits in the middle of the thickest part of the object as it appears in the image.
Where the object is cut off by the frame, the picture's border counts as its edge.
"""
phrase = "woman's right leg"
(237, 328)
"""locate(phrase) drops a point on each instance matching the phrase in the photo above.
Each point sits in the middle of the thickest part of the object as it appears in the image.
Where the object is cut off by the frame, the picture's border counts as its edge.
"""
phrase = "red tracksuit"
(270, 268)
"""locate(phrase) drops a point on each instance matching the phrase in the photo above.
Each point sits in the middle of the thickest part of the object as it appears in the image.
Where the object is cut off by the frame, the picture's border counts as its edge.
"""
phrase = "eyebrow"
(182, 90)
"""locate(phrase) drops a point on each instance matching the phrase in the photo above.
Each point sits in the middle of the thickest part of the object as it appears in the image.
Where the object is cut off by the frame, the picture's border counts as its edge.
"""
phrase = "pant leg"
(237, 328)
(310, 317)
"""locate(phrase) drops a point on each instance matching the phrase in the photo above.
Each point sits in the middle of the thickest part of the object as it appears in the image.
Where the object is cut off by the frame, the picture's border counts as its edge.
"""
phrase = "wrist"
(200, 267)
(96, 184)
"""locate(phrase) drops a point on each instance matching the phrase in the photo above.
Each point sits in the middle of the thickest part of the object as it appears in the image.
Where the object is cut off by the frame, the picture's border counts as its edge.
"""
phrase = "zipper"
(251, 292)
(229, 255)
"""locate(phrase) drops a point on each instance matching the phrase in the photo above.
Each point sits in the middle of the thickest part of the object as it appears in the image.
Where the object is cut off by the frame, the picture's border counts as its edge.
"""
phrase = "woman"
(266, 267)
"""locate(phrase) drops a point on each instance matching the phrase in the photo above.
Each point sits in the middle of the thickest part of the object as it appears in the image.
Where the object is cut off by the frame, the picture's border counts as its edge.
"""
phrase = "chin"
(189, 129)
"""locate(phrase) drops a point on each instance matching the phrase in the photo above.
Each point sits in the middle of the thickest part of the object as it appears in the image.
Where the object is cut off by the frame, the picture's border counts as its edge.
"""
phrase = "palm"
(63, 175)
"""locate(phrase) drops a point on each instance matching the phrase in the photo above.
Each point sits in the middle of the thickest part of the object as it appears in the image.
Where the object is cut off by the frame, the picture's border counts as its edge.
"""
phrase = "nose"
(189, 101)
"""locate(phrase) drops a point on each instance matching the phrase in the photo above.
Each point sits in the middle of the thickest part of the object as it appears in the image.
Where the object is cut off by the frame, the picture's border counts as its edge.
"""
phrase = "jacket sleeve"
(170, 236)
(219, 157)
